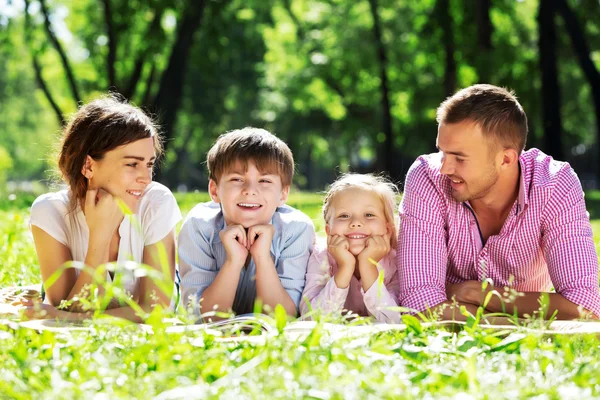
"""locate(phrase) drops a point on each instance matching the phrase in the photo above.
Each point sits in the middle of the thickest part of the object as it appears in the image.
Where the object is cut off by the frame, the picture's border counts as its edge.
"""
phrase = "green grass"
(119, 360)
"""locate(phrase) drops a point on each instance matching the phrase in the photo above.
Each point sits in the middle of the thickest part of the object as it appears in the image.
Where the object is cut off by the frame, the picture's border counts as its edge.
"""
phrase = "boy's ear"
(285, 192)
(327, 229)
(212, 190)
(87, 169)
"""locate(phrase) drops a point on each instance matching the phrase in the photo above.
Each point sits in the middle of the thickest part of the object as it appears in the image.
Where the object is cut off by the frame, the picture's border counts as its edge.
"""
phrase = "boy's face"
(248, 197)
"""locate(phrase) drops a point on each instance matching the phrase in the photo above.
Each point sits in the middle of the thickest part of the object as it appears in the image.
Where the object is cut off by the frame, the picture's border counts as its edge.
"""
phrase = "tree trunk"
(388, 144)
(112, 45)
(140, 61)
(550, 88)
(170, 91)
(61, 53)
(38, 69)
(447, 25)
(484, 42)
(582, 51)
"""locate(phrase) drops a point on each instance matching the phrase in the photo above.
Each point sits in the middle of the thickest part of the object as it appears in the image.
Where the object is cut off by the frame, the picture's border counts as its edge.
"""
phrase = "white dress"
(157, 215)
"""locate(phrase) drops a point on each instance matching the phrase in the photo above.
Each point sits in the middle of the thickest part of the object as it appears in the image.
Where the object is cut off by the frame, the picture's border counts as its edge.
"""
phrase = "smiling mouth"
(135, 193)
(357, 236)
(249, 206)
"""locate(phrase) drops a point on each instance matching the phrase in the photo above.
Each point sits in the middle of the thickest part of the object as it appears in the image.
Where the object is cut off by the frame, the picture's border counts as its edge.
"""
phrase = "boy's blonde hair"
(384, 188)
(267, 151)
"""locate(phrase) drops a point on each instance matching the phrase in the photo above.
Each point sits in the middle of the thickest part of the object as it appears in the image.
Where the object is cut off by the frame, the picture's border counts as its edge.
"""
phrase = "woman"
(107, 155)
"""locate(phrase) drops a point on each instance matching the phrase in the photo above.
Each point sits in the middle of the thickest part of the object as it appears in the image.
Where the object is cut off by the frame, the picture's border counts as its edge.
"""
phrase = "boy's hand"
(260, 238)
(376, 248)
(339, 248)
(236, 244)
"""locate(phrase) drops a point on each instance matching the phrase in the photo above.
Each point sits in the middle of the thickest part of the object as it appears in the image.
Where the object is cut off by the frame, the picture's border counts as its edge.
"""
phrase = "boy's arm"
(197, 265)
(220, 294)
(283, 283)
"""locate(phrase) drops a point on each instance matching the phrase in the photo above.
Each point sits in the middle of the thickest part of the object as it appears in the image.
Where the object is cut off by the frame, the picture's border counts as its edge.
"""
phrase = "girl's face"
(357, 214)
(124, 172)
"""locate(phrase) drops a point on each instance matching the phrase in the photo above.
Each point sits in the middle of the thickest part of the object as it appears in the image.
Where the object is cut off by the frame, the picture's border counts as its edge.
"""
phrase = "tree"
(586, 63)
(550, 89)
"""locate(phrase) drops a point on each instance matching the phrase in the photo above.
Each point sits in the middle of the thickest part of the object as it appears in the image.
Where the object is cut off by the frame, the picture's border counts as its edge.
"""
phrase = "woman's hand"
(102, 215)
(35, 310)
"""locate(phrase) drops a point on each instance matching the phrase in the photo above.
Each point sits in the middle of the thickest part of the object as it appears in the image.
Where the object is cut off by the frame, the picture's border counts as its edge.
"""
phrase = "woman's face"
(124, 172)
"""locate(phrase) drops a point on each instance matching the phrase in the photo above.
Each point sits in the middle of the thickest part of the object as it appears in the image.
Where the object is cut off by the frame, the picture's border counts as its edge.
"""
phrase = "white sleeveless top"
(157, 215)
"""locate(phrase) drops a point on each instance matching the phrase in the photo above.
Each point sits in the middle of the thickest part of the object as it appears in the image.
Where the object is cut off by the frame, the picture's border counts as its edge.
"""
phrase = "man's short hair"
(269, 153)
(494, 109)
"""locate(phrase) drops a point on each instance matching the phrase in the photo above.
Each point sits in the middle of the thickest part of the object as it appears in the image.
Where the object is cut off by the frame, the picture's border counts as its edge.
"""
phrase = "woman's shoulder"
(58, 201)
(157, 195)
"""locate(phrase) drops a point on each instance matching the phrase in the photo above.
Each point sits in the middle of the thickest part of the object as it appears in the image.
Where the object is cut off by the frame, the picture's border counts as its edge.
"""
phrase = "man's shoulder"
(542, 172)
(426, 166)
(424, 176)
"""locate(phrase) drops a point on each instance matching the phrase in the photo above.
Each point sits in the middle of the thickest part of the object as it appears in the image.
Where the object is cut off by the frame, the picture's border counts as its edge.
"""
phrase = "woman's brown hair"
(97, 128)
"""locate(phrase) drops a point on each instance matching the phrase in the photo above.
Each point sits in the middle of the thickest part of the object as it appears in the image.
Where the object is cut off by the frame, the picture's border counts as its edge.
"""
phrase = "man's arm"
(569, 248)
(522, 304)
(422, 252)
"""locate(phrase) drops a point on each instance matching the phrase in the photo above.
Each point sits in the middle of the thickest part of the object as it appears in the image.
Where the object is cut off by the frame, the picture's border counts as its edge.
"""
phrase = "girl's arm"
(379, 298)
(321, 291)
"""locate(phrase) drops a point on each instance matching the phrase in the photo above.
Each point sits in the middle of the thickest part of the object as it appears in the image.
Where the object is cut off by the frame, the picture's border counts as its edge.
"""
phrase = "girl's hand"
(376, 248)
(102, 214)
(339, 248)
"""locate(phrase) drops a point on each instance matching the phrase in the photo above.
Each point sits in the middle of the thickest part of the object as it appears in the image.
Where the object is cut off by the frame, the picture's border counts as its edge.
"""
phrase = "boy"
(246, 243)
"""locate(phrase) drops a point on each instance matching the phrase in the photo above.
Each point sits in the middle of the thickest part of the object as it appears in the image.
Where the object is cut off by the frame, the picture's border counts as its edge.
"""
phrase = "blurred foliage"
(307, 70)
(6, 163)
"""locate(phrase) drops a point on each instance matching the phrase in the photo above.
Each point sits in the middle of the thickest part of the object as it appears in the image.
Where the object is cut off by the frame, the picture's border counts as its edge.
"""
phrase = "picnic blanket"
(235, 329)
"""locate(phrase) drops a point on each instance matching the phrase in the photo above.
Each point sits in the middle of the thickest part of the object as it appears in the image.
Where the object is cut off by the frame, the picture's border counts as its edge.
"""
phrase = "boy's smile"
(248, 196)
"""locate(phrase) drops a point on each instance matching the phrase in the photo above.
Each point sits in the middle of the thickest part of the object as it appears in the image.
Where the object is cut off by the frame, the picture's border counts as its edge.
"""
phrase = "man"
(482, 209)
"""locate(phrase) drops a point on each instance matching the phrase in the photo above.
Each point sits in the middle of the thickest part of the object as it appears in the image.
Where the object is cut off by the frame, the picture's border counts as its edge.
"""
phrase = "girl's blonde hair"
(384, 188)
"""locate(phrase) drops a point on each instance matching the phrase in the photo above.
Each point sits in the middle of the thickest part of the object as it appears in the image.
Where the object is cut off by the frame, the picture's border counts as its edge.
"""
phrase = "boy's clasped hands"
(239, 241)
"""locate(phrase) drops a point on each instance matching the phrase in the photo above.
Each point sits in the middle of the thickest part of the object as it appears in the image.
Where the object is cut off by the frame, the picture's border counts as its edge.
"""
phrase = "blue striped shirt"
(201, 254)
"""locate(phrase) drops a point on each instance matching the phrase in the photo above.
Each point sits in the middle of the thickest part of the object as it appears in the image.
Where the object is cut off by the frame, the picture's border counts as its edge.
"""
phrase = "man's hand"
(469, 292)
(260, 238)
(376, 248)
(235, 241)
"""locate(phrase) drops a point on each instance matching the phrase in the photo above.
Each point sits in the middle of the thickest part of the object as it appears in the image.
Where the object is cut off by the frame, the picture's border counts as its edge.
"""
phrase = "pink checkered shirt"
(546, 240)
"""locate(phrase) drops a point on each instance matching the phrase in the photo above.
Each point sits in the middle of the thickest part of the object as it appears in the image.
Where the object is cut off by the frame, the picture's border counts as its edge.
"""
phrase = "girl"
(359, 222)
(106, 158)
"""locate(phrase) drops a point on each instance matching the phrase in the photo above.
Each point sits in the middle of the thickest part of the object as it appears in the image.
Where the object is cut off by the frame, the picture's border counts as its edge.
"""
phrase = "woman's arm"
(52, 255)
(150, 294)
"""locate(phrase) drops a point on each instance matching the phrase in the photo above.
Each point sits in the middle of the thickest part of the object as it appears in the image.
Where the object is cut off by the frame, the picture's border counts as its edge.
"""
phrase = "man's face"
(469, 160)
(248, 197)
